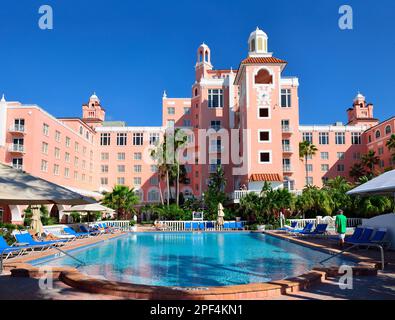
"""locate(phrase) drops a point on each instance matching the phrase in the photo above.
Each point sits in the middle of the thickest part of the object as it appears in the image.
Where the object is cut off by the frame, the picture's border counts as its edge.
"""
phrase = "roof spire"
(3, 98)
(164, 94)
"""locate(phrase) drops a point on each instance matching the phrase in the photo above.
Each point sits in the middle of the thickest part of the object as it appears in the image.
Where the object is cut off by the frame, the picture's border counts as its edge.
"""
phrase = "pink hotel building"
(247, 120)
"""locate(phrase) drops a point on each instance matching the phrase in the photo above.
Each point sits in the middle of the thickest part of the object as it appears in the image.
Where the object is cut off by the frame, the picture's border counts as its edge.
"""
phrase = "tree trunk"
(178, 184)
(160, 191)
(307, 173)
(168, 188)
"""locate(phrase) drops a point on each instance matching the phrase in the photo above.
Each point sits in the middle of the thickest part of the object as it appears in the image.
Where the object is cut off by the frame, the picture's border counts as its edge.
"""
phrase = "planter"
(262, 227)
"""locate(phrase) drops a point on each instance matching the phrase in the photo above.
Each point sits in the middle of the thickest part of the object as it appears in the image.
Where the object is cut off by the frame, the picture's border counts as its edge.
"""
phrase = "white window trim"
(270, 136)
(270, 154)
(264, 107)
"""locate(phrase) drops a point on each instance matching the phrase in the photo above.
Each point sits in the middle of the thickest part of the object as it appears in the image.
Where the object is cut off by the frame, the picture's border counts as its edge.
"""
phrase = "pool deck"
(21, 280)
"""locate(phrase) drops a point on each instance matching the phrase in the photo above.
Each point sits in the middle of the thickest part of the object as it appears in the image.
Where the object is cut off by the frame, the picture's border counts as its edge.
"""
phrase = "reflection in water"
(196, 259)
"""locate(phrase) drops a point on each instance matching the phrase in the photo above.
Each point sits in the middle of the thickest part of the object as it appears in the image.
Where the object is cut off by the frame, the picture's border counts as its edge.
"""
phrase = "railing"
(238, 194)
(287, 168)
(123, 225)
(18, 167)
(351, 222)
(286, 129)
(16, 148)
(287, 148)
(182, 225)
(17, 128)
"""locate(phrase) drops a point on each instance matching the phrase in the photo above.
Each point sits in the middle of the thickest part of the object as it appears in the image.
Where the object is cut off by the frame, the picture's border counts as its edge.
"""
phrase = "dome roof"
(94, 96)
(258, 32)
(359, 97)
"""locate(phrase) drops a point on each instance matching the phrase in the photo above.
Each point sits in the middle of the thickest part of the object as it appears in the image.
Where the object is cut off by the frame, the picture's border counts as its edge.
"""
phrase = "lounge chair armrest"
(20, 244)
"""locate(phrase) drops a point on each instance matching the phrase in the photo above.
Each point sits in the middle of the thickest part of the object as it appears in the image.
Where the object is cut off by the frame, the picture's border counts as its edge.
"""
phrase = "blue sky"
(130, 51)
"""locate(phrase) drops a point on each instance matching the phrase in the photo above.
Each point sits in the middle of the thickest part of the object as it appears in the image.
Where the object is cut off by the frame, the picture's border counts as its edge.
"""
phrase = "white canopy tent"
(382, 185)
(20, 188)
(92, 207)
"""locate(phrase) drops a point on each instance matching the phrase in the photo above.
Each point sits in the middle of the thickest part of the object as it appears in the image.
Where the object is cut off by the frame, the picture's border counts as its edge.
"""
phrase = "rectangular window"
(285, 127)
(121, 168)
(44, 148)
(154, 168)
(68, 142)
(215, 98)
(324, 155)
(137, 181)
(264, 136)
(76, 162)
(170, 123)
(340, 167)
(122, 139)
(121, 181)
(105, 139)
(357, 156)
(67, 157)
(340, 138)
(66, 172)
(355, 138)
(187, 111)
(382, 163)
(264, 157)
(104, 181)
(323, 138)
(171, 110)
(75, 175)
(340, 155)
(76, 147)
(83, 164)
(138, 156)
(19, 125)
(84, 151)
(153, 139)
(381, 151)
(309, 167)
(104, 168)
(137, 168)
(138, 139)
(286, 98)
(153, 181)
(187, 123)
(264, 112)
(45, 129)
(309, 181)
(215, 124)
(121, 156)
(324, 167)
(17, 163)
(57, 136)
(105, 156)
(56, 170)
(57, 153)
(44, 166)
(308, 136)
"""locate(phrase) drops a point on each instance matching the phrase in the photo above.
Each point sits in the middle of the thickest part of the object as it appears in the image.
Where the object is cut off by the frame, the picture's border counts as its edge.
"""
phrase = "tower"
(92, 112)
(258, 44)
(361, 112)
(203, 61)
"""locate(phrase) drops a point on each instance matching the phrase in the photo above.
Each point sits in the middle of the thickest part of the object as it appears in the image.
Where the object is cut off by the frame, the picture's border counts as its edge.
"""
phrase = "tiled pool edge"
(254, 291)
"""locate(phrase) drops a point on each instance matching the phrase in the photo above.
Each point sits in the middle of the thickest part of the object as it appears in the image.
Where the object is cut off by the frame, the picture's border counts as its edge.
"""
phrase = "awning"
(20, 188)
(93, 207)
(382, 185)
(269, 177)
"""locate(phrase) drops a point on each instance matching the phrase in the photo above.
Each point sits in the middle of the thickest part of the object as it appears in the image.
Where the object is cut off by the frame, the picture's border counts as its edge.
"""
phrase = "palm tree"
(337, 189)
(391, 145)
(179, 141)
(306, 150)
(122, 199)
(357, 171)
(370, 160)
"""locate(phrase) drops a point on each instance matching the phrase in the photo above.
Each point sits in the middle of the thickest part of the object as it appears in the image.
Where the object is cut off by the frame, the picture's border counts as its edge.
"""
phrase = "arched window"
(263, 77)
(260, 44)
(196, 92)
(140, 194)
(252, 45)
(206, 56)
(201, 56)
(153, 195)
(378, 134)
(388, 130)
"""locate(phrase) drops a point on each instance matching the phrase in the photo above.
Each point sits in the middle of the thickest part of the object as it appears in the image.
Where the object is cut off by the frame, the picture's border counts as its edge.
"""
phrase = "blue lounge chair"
(226, 225)
(232, 225)
(72, 232)
(195, 225)
(188, 226)
(319, 230)
(293, 225)
(26, 238)
(90, 232)
(356, 235)
(307, 228)
(210, 225)
(202, 226)
(366, 235)
(8, 251)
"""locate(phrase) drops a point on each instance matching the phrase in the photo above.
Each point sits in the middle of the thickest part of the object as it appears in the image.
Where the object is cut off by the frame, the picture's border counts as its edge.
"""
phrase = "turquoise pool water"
(195, 259)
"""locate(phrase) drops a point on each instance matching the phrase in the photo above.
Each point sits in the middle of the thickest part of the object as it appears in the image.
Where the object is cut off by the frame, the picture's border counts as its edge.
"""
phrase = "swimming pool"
(194, 259)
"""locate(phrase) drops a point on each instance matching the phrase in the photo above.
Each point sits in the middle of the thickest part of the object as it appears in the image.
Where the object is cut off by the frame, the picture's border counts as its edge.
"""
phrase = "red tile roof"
(260, 60)
(266, 177)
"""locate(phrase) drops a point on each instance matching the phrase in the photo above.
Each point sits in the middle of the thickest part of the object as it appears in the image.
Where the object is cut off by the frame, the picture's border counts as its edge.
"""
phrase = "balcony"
(17, 128)
(16, 148)
(17, 167)
(287, 149)
(286, 129)
(287, 168)
(238, 194)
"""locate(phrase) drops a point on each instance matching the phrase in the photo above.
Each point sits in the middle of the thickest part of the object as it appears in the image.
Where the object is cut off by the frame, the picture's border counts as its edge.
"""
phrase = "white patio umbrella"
(36, 224)
(382, 185)
(90, 208)
(221, 214)
(20, 188)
